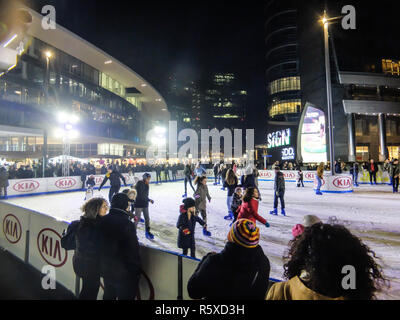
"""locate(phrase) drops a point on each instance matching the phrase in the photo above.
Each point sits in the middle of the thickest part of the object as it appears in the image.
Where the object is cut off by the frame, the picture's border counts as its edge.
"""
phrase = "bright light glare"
(59, 133)
(63, 117)
(48, 54)
(73, 134)
(160, 130)
(9, 41)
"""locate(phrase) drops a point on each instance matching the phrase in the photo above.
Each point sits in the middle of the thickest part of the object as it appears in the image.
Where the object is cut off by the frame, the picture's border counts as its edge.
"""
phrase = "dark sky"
(195, 38)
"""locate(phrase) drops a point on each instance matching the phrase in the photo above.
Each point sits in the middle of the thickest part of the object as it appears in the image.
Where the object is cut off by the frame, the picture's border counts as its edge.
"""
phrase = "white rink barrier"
(35, 238)
(28, 187)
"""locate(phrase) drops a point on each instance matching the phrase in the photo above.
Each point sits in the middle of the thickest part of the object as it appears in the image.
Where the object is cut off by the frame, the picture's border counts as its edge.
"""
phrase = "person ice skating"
(166, 172)
(3, 183)
(231, 182)
(115, 181)
(199, 170)
(320, 177)
(216, 175)
(142, 203)
(314, 267)
(187, 226)
(90, 183)
(354, 172)
(84, 237)
(249, 207)
(372, 169)
(388, 167)
(300, 178)
(279, 192)
(201, 195)
(236, 202)
(188, 173)
(174, 171)
(158, 170)
(239, 272)
(224, 170)
(120, 259)
(395, 175)
(131, 193)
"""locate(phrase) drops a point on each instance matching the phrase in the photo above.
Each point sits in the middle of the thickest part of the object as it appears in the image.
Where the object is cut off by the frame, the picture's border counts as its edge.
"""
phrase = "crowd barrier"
(28, 187)
(35, 238)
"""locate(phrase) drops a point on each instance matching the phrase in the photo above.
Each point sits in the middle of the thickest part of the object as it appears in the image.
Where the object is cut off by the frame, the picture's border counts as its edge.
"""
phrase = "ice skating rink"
(371, 212)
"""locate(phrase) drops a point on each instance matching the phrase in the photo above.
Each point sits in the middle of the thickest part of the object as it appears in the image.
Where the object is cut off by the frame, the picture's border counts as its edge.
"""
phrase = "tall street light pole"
(48, 55)
(325, 22)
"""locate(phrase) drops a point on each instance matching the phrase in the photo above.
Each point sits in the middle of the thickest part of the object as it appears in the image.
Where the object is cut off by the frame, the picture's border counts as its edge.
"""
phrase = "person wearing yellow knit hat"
(239, 272)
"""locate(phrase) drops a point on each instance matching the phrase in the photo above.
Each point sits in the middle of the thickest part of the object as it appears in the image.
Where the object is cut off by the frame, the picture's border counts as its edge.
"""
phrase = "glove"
(152, 201)
(135, 218)
(186, 231)
(209, 200)
(267, 224)
(277, 193)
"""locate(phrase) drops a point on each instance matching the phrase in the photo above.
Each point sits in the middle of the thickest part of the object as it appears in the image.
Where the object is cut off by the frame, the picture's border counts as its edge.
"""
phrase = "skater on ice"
(320, 177)
(90, 184)
(199, 170)
(188, 173)
(300, 179)
(3, 183)
(115, 181)
(131, 193)
(216, 175)
(231, 183)
(201, 195)
(279, 192)
(395, 175)
(249, 207)
(236, 202)
(239, 272)
(142, 203)
(187, 226)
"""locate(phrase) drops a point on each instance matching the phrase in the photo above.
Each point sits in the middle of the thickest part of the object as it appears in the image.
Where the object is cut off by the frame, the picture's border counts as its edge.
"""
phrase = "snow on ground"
(371, 212)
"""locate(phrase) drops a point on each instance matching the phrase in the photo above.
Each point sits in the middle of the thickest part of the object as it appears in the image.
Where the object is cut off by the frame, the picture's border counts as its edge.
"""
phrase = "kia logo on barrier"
(49, 246)
(12, 228)
(266, 174)
(310, 176)
(342, 182)
(98, 180)
(26, 186)
(289, 175)
(65, 183)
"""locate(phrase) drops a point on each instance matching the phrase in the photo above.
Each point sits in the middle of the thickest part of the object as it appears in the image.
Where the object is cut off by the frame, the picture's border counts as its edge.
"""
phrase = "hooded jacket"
(294, 289)
(249, 210)
(186, 241)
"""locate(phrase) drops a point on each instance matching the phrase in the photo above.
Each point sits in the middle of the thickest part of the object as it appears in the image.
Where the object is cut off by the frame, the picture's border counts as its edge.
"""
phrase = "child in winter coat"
(300, 178)
(187, 225)
(131, 193)
(249, 207)
(90, 183)
(201, 195)
(236, 202)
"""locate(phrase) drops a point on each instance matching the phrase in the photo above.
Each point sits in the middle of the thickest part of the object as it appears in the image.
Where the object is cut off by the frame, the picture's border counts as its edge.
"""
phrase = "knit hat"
(297, 230)
(309, 220)
(237, 189)
(245, 233)
(120, 201)
(188, 203)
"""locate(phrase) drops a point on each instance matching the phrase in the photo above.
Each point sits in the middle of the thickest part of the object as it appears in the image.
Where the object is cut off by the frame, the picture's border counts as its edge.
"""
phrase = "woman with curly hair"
(315, 263)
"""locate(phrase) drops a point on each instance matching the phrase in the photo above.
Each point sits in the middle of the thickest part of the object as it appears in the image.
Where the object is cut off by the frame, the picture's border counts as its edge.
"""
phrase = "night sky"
(196, 38)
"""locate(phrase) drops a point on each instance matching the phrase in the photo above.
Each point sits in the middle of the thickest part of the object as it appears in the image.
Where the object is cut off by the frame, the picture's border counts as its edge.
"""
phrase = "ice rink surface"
(371, 212)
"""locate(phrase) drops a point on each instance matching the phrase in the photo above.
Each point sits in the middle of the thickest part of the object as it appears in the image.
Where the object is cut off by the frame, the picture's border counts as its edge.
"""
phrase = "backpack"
(68, 238)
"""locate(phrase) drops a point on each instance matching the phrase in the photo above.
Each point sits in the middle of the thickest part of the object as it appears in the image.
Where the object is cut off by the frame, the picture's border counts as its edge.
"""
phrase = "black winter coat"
(119, 247)
(115, 179)
(142, 198)
(231, 188)
(236, 202)
(187, 241)
(86, 259)
(236, 273)
(248, 181)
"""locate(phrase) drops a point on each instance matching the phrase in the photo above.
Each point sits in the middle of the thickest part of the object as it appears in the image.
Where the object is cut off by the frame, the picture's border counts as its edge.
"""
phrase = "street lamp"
(66, 132)
(325, 21)
(48, 56)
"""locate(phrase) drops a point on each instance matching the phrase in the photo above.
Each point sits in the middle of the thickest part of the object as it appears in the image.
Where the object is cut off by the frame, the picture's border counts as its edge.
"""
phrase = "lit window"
(285, 107)
(284, 84)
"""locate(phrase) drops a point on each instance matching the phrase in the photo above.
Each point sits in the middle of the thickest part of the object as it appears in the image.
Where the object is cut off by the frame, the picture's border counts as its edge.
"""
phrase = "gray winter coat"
(3, 178)
(201, 202)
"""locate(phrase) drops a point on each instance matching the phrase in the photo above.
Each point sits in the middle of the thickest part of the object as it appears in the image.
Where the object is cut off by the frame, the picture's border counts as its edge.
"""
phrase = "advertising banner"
(27, 186)
(45, 248)
(14, 225)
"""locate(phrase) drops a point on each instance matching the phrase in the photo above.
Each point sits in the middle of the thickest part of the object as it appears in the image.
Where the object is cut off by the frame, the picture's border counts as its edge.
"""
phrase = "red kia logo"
(49, 246)
(289, 175)
(266, 174)
(12, 228)
(26, 186)
(65, 183)
(342, 182)
(310, 175)
(98, 180)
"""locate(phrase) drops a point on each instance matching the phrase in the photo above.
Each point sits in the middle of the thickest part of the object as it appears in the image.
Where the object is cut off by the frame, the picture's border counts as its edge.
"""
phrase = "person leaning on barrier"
(315, 263)
(239, 272)
(3, 183)
(120, 259)
(83, 236)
